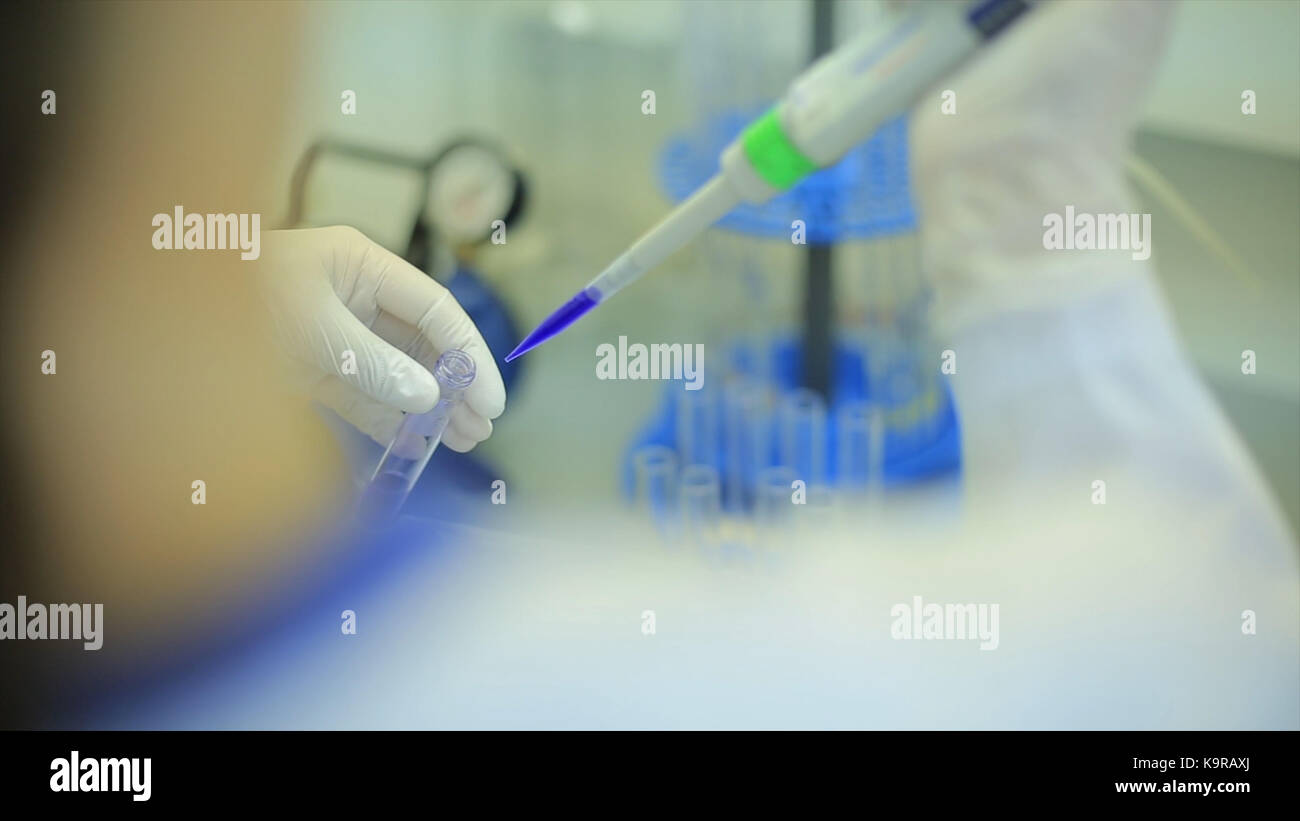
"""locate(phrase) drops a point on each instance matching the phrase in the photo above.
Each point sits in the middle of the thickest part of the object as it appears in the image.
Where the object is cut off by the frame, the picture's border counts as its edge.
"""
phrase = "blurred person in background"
(1071, 369)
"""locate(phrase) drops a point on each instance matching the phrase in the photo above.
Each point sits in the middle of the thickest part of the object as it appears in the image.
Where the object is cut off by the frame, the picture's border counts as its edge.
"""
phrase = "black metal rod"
(818, 315)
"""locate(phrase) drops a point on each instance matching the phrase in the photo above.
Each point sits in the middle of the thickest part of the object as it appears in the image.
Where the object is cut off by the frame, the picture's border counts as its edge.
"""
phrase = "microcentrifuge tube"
(416, 440)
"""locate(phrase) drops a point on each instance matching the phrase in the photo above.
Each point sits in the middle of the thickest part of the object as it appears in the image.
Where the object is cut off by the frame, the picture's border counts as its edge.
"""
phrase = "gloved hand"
(367, 327)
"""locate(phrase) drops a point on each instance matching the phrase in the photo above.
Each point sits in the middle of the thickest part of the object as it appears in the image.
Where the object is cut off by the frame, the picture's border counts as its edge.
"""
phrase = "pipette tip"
(566, 315)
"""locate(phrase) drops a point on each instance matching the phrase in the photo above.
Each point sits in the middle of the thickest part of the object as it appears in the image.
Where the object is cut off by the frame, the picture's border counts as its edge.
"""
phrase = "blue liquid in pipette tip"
(567, 314)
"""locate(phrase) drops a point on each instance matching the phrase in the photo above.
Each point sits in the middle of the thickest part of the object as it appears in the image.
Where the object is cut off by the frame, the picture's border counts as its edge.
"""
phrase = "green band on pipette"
(772, 155)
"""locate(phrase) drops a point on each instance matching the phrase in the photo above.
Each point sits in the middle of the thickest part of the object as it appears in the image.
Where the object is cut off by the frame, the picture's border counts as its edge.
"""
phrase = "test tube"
(701, 506)
(416, 440)
(655, 468)
(854, 431)
(773, 503)
(803, 435)
(746, 416)
(818, 509)
(697, 427)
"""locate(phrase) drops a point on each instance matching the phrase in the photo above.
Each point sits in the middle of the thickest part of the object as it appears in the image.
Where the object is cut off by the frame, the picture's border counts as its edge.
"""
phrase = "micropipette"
(836, 104)
(417, 438)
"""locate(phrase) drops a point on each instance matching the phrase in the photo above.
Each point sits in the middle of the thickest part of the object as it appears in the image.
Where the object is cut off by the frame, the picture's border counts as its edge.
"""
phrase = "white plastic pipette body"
(837, 103)
(707, 205)
(834, 105)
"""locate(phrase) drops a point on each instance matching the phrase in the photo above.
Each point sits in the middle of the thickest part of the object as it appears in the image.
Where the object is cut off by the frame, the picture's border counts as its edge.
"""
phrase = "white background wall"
(1216, 50)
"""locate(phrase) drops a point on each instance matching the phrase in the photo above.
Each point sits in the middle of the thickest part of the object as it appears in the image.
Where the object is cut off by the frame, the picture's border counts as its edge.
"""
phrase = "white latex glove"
(333, 290)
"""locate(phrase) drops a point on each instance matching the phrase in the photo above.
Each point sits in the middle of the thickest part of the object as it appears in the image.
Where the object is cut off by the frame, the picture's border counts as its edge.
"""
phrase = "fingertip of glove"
(413, 390)
(457, 442)
(488, 402)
